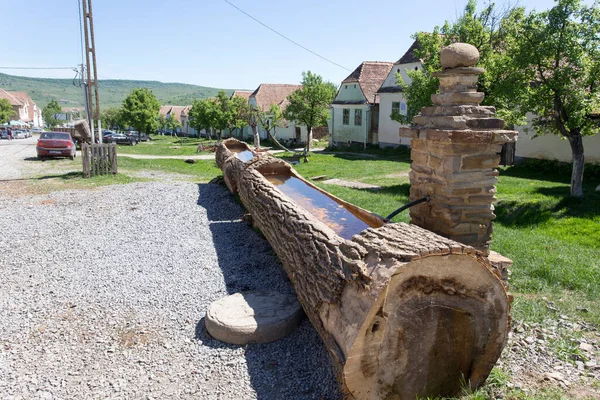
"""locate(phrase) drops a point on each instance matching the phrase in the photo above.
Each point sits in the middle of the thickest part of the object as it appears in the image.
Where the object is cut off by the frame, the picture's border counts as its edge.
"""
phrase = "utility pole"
(91, 77)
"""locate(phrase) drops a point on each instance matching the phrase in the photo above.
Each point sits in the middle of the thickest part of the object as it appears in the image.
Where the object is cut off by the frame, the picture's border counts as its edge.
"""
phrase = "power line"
(285, 37)
(71, 68)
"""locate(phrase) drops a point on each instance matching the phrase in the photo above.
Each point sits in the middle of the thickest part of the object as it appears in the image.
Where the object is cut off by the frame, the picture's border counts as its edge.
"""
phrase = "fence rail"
(99, 159)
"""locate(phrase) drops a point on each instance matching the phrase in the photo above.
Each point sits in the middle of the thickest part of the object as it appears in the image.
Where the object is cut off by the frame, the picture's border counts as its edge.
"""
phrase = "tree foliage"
(49, 113)
(482, 30)
(201, 115)
(553, 63)
(172, 124)
(140, 110)
(6, 111)
(309, 105)
(113, 118)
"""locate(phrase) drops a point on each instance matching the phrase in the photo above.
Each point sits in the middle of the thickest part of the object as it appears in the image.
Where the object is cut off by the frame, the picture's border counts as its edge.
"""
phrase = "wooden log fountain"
(403, 311)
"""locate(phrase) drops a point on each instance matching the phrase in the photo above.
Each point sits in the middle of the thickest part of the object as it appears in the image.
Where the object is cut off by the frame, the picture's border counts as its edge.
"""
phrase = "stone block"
(419, 157)
(505, 137)
(458, 98)
(483, 161)
(408, 133)
(435, 162)
(455, 110)
(418, 144)
(485, 123)
(451, 163)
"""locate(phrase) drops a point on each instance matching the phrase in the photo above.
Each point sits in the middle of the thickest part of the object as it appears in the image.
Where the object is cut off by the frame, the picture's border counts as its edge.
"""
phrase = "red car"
(56, 144)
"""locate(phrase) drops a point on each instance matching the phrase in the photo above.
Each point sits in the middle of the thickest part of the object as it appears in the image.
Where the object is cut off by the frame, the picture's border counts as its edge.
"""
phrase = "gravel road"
(104, 294)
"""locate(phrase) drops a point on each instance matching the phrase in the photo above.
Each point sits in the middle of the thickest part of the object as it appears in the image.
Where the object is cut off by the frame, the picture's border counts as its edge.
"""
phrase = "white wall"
(551, 147)
(343, 134)
(350, 92)
(401, 68)
(388, 128)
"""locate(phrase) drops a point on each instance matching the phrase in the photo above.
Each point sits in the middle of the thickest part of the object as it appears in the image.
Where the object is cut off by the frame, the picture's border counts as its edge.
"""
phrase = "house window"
(358, 117)
(346, 116)
(403, 107)
(396, 107)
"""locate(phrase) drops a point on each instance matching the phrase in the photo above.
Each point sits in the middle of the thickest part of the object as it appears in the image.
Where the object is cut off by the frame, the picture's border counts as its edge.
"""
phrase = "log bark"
(403, 312)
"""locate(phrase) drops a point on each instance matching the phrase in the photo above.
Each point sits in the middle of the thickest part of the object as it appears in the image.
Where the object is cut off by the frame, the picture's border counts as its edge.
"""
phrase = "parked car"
(27, 133)
(37, 130)
(119, 138)
(3, 134)
(18, 135)
(56, 144)
(140, 137)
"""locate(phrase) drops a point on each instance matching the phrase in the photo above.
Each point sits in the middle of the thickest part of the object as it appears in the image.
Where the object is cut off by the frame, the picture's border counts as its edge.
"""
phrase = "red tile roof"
(24, 97)
(242, 93)
(370, 75)
(13, 100)
(268, 93)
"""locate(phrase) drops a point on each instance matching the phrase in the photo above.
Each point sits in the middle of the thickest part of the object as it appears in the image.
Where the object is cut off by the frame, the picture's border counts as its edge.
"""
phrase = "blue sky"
(210, 43)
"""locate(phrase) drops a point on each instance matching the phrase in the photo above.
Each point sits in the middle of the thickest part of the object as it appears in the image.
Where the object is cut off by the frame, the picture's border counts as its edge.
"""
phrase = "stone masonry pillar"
(455, 150)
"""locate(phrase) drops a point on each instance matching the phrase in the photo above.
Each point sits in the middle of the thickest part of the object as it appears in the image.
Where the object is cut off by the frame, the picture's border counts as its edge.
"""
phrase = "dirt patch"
(398, 175)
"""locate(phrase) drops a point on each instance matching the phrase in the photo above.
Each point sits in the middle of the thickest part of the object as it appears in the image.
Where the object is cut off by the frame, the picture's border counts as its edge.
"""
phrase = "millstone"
(253, 317)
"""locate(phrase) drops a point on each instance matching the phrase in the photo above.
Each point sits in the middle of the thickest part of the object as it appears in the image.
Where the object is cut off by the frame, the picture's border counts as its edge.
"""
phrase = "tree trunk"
(256, 136)
(282, 147)
(309, 136)
(576, 141)
(403, 312)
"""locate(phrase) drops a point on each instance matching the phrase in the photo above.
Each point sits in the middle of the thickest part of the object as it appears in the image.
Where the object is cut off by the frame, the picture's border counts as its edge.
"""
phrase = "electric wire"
(36, 68)
(285, 37)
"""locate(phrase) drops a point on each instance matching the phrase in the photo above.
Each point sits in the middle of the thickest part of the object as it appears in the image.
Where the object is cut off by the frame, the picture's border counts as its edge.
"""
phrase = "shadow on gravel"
(296, 367)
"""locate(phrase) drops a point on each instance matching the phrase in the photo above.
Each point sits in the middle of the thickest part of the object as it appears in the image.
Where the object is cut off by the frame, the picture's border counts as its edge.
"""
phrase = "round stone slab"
(253, 317)
(459, 55)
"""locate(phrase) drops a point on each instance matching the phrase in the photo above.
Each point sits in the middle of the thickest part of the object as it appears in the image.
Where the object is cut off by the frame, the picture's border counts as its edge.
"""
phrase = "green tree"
(482, 30)
(309, 105)
(271, 120)
(140, 110)
(49, 113)
(553, 70)
(113, 118)
(201, 115)
(6, 111)
(162, 123)
(172, 123)
(238, 116)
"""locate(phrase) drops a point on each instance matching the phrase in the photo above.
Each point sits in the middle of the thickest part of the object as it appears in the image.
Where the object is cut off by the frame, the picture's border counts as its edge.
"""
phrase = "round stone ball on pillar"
(459, 55)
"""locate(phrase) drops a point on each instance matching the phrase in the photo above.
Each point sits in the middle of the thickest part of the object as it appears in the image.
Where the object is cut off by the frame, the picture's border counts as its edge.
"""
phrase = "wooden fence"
(99, 159)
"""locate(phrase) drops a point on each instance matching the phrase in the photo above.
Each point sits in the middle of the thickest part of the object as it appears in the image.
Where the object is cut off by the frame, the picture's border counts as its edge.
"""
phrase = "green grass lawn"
(165, 146)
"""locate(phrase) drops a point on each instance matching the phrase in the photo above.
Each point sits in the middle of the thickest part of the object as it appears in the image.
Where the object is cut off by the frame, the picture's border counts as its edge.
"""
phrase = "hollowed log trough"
(403, 312)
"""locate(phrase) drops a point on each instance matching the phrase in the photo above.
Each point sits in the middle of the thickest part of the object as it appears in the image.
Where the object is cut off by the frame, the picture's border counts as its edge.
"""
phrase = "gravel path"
(104, 292)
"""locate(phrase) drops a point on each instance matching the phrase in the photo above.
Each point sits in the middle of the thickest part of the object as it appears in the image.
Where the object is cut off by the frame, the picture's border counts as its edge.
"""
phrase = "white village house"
(262, 98)
(355, 108)
(392, 99)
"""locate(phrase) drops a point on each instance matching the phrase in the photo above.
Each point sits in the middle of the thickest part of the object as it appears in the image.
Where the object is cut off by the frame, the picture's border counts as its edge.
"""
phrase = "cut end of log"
(440, 324)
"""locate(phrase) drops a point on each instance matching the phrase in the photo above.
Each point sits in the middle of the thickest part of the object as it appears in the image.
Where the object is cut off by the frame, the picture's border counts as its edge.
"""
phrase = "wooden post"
(404, 312)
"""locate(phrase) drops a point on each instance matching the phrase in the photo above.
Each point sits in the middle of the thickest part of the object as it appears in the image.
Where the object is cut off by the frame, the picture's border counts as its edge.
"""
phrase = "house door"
(298, 135)
(507, 156)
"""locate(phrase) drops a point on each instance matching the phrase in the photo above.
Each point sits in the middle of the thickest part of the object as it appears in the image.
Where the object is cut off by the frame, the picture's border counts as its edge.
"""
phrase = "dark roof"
(349, 102)
(409, 56)
(370, 75)
(390, 89)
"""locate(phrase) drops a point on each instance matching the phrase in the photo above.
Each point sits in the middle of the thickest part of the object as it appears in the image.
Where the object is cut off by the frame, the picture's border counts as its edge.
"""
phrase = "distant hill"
(112, 92)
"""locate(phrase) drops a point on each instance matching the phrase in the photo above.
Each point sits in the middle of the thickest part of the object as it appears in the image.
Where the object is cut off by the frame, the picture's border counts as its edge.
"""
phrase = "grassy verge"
(201, 171)
(165, 146)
